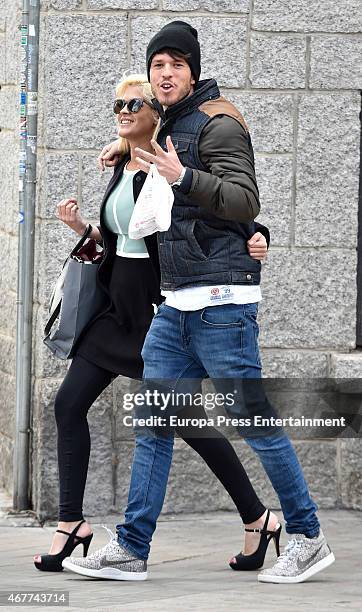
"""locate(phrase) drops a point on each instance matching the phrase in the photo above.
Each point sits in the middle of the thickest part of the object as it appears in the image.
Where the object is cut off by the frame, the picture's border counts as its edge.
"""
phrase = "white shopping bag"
(152, 211)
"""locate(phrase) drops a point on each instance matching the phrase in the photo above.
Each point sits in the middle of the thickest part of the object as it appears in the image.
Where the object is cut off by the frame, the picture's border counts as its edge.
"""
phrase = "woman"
(112, 345)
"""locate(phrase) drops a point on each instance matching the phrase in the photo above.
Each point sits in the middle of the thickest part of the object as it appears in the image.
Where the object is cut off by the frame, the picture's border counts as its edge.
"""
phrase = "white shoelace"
(112, 536)
(105, 548)
(291, 550)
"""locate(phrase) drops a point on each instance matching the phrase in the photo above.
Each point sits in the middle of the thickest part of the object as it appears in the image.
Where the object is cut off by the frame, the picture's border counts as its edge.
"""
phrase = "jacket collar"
(205, 90)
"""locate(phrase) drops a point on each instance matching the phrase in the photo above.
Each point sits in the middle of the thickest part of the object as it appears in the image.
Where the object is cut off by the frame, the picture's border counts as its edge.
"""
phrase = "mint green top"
(117, 214)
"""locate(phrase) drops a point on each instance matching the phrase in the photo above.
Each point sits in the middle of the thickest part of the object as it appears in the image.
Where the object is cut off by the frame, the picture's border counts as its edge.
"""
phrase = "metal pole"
(27, 192)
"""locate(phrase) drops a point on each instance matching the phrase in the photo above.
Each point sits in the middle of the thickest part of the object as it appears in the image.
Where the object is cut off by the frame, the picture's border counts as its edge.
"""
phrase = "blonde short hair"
(130, 80)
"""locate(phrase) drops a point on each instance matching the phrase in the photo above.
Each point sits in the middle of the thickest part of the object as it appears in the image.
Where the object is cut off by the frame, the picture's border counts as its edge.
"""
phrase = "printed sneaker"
(112, 562)
(302, 558)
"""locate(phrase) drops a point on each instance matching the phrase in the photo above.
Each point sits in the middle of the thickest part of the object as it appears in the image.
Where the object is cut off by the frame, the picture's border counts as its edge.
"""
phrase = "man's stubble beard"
(165, 106)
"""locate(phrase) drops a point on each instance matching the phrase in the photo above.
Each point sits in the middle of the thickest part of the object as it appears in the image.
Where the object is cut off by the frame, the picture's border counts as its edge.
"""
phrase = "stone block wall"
(293, 68)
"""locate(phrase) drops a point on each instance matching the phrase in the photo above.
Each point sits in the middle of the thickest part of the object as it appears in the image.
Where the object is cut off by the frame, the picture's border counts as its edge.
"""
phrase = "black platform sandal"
(53, 563)
(256, 559)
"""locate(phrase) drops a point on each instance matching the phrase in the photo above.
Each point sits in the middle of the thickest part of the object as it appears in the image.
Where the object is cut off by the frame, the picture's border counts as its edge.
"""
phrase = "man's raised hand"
(109, 156)
(166, 162)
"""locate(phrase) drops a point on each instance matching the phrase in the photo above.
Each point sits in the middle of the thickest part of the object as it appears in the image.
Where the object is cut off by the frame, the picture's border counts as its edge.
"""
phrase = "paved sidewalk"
(188, 569)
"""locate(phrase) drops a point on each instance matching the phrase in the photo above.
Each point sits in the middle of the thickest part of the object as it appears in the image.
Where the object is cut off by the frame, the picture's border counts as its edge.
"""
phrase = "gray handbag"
(76, 299)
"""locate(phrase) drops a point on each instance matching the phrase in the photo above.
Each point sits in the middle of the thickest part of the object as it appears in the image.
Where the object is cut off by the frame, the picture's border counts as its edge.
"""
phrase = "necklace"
(131, 169)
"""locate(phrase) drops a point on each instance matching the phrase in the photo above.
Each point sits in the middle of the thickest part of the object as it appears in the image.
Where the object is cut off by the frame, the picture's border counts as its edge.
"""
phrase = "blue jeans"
(220, 342)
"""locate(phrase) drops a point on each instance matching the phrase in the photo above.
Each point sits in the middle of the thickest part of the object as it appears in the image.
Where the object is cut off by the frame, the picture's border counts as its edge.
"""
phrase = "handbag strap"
(52, 318)
(84, 237)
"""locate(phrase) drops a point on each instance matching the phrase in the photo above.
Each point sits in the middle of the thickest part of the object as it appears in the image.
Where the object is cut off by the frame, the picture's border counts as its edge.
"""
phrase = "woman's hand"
(109, 156)
(68, 212)
(257, 246)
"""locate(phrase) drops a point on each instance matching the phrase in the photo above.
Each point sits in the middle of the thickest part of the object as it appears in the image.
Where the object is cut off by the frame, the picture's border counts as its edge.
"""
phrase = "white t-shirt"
(194, 298)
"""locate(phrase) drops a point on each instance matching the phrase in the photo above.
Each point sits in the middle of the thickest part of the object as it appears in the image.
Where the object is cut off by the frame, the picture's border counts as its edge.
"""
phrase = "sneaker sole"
(107, 573)
(317, 567)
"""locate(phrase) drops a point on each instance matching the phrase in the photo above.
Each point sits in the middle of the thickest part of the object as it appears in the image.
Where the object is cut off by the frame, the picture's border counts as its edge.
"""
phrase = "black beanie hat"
(180, 36)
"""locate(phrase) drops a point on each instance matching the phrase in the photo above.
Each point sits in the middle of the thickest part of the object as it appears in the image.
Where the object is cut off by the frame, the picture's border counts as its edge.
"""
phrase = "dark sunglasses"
(134, 105)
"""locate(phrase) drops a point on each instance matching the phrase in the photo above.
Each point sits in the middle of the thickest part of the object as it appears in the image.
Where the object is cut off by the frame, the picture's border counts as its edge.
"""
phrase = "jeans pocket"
(229, 315)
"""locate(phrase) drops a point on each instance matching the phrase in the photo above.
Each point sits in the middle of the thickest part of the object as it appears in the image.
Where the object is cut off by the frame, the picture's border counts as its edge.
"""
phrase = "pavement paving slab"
(188, 569)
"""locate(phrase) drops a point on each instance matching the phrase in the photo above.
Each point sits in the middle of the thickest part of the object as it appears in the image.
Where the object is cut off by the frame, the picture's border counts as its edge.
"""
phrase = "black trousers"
(83, 383)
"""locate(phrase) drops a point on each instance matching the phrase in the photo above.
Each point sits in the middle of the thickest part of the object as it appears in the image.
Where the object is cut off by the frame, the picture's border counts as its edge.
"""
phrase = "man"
(207, 324)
